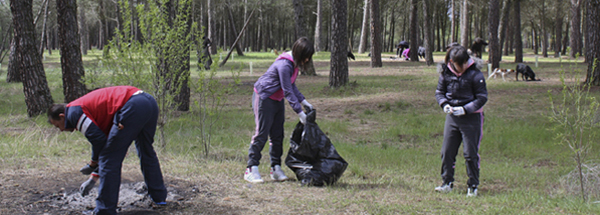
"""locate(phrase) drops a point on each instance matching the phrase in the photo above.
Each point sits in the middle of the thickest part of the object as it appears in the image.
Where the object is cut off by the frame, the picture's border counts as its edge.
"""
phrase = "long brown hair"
(301, 50)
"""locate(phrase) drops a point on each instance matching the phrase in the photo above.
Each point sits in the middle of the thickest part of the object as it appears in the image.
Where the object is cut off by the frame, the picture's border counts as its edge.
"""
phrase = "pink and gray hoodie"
(279, 82)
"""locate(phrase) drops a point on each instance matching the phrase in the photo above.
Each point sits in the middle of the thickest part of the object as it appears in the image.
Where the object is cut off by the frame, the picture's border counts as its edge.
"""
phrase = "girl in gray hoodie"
(269, 110)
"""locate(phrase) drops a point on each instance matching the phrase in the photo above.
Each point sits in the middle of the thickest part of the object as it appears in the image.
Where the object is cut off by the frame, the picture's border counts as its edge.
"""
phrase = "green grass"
(388, 128)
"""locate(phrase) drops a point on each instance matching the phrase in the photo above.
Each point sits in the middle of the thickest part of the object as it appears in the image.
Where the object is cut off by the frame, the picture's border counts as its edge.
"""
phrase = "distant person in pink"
(405, 54)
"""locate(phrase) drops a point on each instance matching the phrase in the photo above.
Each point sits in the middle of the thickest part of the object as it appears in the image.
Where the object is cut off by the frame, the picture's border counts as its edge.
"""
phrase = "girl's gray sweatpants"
(467, 129)
(269, 116)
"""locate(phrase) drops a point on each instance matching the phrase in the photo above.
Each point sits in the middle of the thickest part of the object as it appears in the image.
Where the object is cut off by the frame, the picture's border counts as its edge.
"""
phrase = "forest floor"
(49, 184)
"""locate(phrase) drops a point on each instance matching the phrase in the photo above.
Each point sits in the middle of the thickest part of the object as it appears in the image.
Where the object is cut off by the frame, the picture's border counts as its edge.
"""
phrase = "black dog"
(478, 46)
(351, 56)
(526, 73)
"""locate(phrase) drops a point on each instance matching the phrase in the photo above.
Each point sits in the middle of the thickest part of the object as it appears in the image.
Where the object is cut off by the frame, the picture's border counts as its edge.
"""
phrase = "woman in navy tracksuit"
(461, 92)
(111, 119)
(269, 110)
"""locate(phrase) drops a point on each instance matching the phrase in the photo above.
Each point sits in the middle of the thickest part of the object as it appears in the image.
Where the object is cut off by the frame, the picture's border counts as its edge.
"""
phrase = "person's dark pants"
(269, 116)
(138, 117)
(457, 129)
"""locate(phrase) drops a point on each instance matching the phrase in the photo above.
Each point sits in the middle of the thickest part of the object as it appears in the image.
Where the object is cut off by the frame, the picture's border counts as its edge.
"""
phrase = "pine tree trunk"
(558, 22)
(503, 28)
(70, 53)
(414, 31)
(338, 75)
(182, 69)
(428, 31)
(592, 46)
(83, 31)
(452, 22)
(44, 30)
(517, 33)
(464, 24)
(13, 74)
(212, 29)
(493, 19)
(234, 31)
(575, 28)
(318, 28)
(362, 47)
(309, 68)
(375, 35)
(543, 30)
(35, 87)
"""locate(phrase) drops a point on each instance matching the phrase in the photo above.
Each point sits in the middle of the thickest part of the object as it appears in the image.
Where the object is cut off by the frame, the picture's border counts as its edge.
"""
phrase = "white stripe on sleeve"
(83, 124)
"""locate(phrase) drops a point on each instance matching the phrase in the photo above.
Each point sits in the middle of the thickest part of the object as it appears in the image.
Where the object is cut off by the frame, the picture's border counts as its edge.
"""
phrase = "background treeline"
(546, 24)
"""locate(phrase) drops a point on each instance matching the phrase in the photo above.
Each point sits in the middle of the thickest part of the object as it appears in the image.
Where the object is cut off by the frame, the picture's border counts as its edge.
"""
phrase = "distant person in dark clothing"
(205, 59)
(478, 46)
(401, 46)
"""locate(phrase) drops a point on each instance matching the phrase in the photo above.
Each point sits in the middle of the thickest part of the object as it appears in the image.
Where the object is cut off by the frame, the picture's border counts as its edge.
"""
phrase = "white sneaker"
(472, 192)
(252, 175)
(445, 188)
(277, 174)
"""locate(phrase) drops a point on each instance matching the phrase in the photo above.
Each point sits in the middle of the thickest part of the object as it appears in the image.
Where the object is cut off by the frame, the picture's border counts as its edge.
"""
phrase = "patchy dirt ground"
(32, 192)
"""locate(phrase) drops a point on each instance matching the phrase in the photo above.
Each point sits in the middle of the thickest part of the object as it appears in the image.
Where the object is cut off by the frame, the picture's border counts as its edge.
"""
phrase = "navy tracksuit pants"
(467, 129)
(138, 117)
(269, 116)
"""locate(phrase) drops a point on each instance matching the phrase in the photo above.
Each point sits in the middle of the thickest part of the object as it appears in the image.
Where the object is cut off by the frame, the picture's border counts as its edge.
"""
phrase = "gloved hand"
(89, 168)
(458, 111)
(447, 109)
(306, 104)
(86, 186)
(302, 116)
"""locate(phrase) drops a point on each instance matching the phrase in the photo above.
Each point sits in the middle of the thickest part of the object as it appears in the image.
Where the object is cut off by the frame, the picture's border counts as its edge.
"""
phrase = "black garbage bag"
(312, 156)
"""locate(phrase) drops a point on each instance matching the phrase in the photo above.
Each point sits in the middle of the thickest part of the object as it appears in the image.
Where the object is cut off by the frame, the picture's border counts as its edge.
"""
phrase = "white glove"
(458, 111)
(302, 116)
(305, 103)
(447, 109)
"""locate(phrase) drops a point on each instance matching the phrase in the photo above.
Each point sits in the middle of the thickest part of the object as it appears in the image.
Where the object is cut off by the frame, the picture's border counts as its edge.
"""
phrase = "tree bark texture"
(593, 42)
(83, 31)
(428, 33)
(575, 28)
(212, 29)
(362, 47)
(309, 68)
(414, 31)
(318, 28)
(234, 30)
(338, 75)
(42, 38)
(182, 76)
(452, 21)
(503, 28)
(13, 74)
(70, 53)
(517, 33)
(35, 87)
(493, 19)
(464, 24)
(543, 29)
(300, 31)
(375, 35)
(558, 23)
